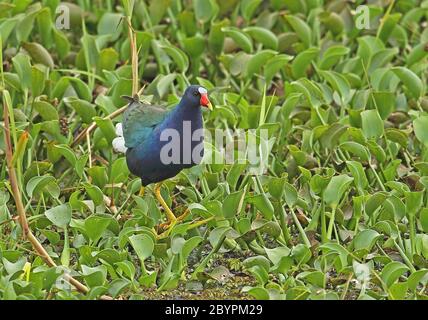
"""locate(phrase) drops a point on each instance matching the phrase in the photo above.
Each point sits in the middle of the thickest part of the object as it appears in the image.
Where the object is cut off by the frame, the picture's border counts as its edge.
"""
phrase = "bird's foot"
(168, 226)
(174, 221)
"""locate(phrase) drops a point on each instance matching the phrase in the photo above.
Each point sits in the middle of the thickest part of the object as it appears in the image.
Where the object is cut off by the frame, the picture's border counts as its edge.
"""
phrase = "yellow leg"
(179, 219)
(194, 225)
(142, 191)
(172, 219)
(169, 215)
(184, 215)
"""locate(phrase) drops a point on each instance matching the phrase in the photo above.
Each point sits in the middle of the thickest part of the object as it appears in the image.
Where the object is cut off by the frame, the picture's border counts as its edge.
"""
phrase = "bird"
(154, 138)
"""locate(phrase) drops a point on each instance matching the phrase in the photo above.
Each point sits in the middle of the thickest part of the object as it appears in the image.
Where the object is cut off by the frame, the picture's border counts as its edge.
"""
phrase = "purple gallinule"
(150, 135)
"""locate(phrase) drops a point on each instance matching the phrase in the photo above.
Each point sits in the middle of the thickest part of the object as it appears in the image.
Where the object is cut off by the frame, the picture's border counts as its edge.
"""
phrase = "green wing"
(139, 120)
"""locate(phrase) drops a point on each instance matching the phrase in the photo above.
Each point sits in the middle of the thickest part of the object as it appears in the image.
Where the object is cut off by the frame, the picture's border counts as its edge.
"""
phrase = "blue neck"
(184, 111)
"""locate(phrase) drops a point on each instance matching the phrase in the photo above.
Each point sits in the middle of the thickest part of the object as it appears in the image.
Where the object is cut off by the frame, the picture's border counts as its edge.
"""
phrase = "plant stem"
(405, 257)
(300, 228)
(204, 262)
(323, 224)
(283, 224)
(331, 223)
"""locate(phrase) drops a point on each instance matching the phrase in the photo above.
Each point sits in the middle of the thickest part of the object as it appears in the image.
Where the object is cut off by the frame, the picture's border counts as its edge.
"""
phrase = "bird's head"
(197, 96)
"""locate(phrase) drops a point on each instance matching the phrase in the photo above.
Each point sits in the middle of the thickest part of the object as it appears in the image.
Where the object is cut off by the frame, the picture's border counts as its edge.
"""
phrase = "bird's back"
(156, 141)
(139, 120)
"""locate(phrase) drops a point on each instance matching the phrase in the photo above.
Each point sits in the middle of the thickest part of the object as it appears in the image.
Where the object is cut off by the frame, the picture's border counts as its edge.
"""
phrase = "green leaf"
(26, 25)
(60, 215)
(261, 261)
(302, 61)
(416, 54)
(164, 84)
(234, 174)
(46, 110)
(62, 44)
(411, 81)
(333, 22)
(107, 60)
(95, 227)
(262, 204)
(83, 108)
(316, 278)
(366, 239)
(190, 245)
(413, 202)
(248, 7)
(231, 204)
(417, 277)
(6, 28)
(204, 10)
(179, 57)
(374, 202)
(397, 136)
(241, 39)
(216, 37)
(335, 189)
(398, 291)
(301, 28)
(276, 254)
(194, 46)
(276, 187)
(330, 137)
(357, 171)
(338, 82)
(95, 276)
(424, 219)
(21, 63)
(372, 124)
(107, 128)
(39, 184)
(260, 274)
(256, 62)
(356, 149)
(143, 245)
(39, 54)
(37, 80)
(110, 24)
(332, 56)
(264, 36)
(67, 153)
(389, 21)
(420, 124)
(157, 10)
(127, 268)
(290, 194)
(275, 64)
(117, 286)
(259, 293)
(392, 271)
(94, 193)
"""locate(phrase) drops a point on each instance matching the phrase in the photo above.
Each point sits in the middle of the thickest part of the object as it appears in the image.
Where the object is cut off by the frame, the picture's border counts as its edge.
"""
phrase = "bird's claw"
(168, 226)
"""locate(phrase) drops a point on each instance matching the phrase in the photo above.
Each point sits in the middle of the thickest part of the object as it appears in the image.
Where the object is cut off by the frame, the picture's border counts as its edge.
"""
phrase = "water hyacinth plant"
(330, 94)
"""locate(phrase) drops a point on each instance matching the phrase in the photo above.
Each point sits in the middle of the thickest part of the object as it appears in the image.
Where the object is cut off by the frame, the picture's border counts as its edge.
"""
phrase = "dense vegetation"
(341, 212)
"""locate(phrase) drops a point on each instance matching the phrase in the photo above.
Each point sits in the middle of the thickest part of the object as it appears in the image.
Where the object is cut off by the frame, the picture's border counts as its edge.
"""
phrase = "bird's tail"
(118, 143)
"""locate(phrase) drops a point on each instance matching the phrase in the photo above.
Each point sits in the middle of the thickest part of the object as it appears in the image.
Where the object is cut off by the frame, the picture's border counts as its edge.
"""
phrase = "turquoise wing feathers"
(139, 120)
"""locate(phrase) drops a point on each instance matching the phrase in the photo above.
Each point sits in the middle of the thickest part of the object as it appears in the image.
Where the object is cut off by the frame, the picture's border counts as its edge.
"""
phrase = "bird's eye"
(195, 93)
